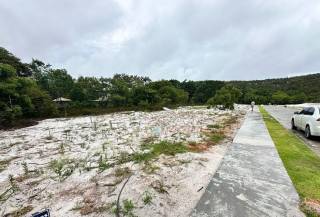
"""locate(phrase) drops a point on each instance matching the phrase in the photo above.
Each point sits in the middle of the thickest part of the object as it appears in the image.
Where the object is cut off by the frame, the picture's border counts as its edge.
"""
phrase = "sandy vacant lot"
(77, 166)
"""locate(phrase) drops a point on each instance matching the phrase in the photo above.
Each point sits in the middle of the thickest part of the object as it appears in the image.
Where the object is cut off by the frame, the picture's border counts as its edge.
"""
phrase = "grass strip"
(302, 164)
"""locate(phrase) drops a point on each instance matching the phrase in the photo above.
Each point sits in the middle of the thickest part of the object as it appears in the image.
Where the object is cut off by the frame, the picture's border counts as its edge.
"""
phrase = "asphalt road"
(283, 115)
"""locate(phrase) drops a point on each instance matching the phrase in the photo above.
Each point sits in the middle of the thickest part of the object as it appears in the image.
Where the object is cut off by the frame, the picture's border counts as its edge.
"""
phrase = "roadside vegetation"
(302, 165)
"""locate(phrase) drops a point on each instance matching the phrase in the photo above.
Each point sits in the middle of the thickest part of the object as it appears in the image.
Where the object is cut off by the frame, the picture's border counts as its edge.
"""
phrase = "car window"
(311, 111)
(304, 111)
(308, 111)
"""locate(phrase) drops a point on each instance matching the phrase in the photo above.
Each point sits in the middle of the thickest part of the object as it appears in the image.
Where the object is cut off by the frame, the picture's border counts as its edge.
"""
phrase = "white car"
(307, 120)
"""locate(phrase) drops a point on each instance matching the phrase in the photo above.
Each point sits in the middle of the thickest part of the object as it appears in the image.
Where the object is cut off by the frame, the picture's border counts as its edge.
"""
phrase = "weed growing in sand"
(143, 157)
(95, 180)
(61, 148)
(4, 164)
(13, 183)
(153, 150)
(103, 163)
(128, 207)
(10, 191)
(147, 198)
(216, 136)
(82, 145)
(62, 167)
(213, 126)
(184, 161)
(94, 124)
(49, 137)
(25, 168)
(150, 168)
(124, 157)
(159, 186)
(122, 172)
(230, 120)
(89, 208)
(148, 140)
(104, 146)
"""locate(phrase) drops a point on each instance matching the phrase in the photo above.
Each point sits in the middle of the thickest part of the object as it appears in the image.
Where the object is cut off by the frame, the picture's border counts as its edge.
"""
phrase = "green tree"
(6, 57)
(60, 83)
(280, 97)
(145, 96)
(205, 90)
(225, 97)
(173, 96)
(190, 87)
(298, 98)
(86, 89)
(120, 92)
(21, 97)
(9, 110)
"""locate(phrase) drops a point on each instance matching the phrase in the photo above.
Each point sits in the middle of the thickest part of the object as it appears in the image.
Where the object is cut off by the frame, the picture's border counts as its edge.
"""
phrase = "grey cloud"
(36, 28)
(221, 39)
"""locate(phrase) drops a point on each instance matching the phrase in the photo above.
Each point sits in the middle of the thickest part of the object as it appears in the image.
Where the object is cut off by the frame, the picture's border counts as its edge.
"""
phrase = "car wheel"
(307, 132)
(292, 125)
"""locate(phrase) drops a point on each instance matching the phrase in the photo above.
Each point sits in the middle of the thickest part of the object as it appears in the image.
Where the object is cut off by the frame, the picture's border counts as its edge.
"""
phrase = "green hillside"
(297, 89)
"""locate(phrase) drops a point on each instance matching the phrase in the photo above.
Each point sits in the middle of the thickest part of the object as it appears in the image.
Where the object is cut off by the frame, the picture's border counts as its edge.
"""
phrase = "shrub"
(225, 97)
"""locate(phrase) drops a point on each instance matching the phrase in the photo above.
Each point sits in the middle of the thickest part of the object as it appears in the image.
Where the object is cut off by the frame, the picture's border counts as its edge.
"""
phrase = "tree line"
(27, 91)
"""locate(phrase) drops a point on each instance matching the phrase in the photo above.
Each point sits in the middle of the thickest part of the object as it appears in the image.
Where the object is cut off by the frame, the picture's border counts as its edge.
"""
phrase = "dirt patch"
(311, 207)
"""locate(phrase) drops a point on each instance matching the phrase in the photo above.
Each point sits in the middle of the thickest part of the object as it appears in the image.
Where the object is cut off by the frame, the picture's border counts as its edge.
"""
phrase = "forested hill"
(296, 89)
(27, 90)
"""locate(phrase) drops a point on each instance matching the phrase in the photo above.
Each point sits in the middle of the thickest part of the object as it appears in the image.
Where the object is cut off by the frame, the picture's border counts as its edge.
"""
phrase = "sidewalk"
(251, 180)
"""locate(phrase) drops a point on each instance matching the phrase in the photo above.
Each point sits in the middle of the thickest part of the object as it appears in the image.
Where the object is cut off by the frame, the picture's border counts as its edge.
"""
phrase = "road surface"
(283, 115)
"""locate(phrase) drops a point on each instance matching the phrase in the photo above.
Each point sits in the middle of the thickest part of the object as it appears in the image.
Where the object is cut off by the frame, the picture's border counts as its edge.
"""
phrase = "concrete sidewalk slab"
(251, 180)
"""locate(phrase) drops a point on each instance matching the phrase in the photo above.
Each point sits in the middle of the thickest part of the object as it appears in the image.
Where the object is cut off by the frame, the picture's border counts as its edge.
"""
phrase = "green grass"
(303, 165)
(156, 149)
(213, 126)
(147, 198)
(216, 137)
(63, 168)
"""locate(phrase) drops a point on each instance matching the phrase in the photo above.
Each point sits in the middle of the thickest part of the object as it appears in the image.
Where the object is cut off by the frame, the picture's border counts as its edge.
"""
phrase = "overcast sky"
(170, 39)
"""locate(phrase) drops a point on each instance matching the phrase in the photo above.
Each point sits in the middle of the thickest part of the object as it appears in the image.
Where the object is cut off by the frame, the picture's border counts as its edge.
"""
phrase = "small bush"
(147, 198)
(128, 207)
(63, 168)
(103, 164)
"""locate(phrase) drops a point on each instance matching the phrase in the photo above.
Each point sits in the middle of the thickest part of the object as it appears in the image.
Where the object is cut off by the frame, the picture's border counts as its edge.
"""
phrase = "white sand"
(85, 139)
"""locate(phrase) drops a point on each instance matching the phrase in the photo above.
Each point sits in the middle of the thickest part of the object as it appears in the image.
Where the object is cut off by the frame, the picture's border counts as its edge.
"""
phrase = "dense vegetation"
(27, 91)
(280, 91)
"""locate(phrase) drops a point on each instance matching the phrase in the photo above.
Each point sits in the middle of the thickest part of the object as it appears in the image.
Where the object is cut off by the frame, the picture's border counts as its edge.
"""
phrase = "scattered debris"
(200, 189)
